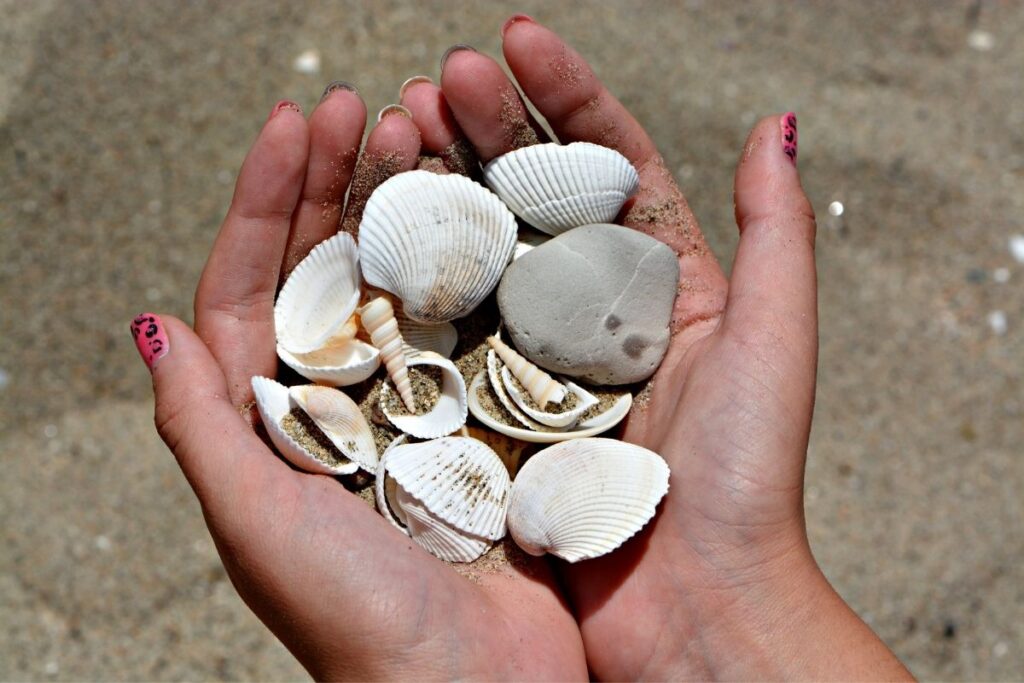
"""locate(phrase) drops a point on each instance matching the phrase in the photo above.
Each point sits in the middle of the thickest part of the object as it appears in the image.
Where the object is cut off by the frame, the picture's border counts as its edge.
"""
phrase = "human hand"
(346, 593)
(722, 583)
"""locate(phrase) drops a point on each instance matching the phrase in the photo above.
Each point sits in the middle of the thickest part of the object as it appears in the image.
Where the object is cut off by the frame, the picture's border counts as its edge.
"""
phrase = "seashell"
(341, 420)
(440, 338)
(494, 367)
(528, 239)
(584, 498)
(447, 415)
(379, 320)
(592, 426)
(556, 187)
(541, 386)
(563, 420)
(313, 316)
(438, 242)
(274, 402)
(449, 495)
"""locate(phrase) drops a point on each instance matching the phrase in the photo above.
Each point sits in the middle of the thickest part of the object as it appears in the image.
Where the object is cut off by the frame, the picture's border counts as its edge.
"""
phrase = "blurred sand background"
(122, 125)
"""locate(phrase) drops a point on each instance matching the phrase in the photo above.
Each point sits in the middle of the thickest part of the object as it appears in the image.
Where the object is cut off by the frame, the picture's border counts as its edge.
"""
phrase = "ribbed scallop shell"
(349, 363)
(274, 402)
(439, 338)
(341, 420)
(563, 420)
(439, 243)
(559, 187)
(584, 498)
(460, 480)
(379, 320)
(447, 415)
(436, 536)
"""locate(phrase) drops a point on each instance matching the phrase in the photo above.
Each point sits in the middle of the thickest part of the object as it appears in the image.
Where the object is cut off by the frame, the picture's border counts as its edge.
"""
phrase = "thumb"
(220, 455)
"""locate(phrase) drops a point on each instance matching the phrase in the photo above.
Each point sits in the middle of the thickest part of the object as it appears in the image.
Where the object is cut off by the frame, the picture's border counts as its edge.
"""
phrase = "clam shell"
(559, 187)
(341, 420)
(458, 479)
(584, 498)
(435, 536)
(563, 420)
(274, 402)
(439, 243)
(439, 338)
(447, 415)
(349, 363)
(386, 490)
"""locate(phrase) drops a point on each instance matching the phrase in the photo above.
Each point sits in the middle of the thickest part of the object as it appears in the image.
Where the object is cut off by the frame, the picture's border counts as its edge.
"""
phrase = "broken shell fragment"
(379, 320)
(584, 498)
(341, 420)
(551, 416)
(556, 187)
(438, 242)
(311, 454)
(541, 386)
(449, 411)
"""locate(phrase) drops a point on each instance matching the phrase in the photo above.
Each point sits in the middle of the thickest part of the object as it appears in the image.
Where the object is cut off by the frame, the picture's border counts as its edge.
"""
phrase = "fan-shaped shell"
(341, 420)
(559, 187)
(439, 243)
(584, 498)
(437, 537)
(439, 338)
(274, 402)
(460, 480)
(447, 415)
(348, 363)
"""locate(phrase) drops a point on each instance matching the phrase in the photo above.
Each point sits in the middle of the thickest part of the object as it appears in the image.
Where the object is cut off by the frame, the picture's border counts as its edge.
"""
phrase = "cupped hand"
(346, 593)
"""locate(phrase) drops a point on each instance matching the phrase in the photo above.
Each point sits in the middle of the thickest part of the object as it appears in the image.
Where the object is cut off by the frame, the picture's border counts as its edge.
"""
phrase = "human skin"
(722, 584)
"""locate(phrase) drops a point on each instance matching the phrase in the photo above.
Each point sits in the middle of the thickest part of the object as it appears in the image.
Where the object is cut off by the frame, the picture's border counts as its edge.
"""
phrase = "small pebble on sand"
(1017, 248)
(308, 62)
(997, 321)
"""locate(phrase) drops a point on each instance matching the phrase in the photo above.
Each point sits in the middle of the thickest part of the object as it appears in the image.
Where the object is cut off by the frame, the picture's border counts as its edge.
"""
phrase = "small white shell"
(440, 338)
(559, 187)
(438, 242)
(601, 422)
(349, 363)
(564, 420)
(379, 320)
(340, 419)
(584, 498)
(447, 415)
(541, 386)
(435, 536)
(274, 402)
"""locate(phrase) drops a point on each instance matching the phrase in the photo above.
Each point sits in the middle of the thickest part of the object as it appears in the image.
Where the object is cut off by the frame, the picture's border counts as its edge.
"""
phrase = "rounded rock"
(593, 303)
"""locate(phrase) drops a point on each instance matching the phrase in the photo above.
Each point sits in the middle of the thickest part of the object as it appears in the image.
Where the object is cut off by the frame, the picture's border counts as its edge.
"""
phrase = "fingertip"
(767, 179)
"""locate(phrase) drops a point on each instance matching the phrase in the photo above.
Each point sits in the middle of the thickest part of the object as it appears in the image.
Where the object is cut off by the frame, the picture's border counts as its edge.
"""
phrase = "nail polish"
(787, 125)
(393, 110)
(513, 19)
(338, 85)
(281, 106)
(415, 80)
(453, 49)
(150, 338)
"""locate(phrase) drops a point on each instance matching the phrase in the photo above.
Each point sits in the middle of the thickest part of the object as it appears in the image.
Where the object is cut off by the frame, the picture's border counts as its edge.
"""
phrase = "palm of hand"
(729, 409)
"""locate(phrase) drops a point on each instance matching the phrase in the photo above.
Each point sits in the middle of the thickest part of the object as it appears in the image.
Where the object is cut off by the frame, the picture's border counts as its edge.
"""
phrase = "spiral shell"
(379, 320)
(541, 386)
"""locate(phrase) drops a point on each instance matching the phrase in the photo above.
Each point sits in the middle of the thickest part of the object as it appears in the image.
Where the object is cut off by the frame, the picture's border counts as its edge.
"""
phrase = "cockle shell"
(379, 320)
(563, 420)
(439, 243)
(541, 386)
(447, 415)
(340, 418)
(440, 338)
(449, 495)
(274, 402)
(584, 498)
(559, 187)
(313, 316)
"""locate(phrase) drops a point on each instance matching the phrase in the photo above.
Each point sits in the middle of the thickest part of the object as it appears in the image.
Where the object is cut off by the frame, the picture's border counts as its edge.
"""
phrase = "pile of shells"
(432, 249)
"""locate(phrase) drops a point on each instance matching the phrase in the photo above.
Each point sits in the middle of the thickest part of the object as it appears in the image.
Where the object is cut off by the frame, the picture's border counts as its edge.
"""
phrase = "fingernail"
(787, 124)
(453, 49)
(513, 19)
(411, 82)
(281, 106)
(150, 338)
(393, 109)
(338, 85)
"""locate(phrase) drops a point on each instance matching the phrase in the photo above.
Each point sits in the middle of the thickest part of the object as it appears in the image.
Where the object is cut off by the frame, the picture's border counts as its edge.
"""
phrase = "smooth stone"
(594, 303)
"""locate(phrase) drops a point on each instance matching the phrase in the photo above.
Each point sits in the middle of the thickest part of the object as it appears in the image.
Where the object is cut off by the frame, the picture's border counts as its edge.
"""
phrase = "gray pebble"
(594, 303)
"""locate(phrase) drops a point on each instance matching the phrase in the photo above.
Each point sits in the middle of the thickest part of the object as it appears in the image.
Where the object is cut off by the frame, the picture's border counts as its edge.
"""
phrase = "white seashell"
(559, 187)
(379, 320)
(341, 420)
(447, 415)
(386, 490)
(584, 402)
(438, 242)
(313, 317)
(597, 424)
(584, 498)
(440, 338)
(435, 536)
(274, 402)
(541, 386)
(494, 368)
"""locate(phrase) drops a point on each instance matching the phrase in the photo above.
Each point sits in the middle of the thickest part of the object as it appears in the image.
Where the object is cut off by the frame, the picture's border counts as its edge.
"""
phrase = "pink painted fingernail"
(513, 19)
(787, 124)
(150, 338)
(281, 106)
